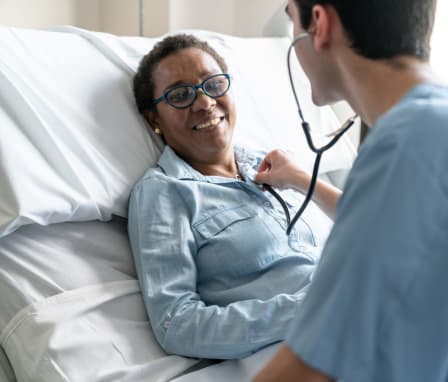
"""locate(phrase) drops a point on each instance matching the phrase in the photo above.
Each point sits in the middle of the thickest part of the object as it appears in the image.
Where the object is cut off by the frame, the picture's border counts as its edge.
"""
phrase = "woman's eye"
(180, 94)
(215, 85)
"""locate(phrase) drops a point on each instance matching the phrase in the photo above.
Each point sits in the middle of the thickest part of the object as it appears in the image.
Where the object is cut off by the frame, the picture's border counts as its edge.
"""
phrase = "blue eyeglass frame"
(195, 88)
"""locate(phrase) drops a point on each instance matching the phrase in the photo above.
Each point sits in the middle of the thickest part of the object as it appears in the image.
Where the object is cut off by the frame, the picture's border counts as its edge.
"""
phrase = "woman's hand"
(279, 170)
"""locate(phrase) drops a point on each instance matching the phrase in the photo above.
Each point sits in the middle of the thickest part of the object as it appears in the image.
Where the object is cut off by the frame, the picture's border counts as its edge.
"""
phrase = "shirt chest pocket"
(213, 224)
(234, 241)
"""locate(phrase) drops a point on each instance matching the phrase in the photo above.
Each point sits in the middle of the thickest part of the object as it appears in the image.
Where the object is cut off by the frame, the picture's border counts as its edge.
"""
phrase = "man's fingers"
(265, 165)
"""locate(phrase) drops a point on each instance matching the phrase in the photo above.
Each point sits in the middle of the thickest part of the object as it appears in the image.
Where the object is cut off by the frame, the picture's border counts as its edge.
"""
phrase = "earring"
(157, 131)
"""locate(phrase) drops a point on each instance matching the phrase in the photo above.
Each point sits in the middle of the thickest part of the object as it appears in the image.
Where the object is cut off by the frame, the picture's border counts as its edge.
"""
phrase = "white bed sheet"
(69, 297)
(38, 262)
(238, 370)
(72, 308)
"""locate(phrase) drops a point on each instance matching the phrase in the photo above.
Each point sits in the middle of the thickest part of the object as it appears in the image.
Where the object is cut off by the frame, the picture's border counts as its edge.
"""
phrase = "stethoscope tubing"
(290, 223)
(317, 150)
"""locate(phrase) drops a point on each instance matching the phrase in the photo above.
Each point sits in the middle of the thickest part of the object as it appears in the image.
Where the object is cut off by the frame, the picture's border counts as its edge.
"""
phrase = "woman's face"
(201, 133)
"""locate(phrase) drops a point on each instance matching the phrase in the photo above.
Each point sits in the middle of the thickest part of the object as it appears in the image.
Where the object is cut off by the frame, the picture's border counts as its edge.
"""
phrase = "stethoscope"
(337, 134)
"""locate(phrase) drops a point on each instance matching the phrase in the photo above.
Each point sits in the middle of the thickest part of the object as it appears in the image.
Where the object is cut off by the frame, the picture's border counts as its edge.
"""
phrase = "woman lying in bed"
(219, 276)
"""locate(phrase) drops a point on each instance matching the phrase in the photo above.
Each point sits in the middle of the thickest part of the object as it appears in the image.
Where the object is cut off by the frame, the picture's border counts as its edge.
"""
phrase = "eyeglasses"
(183, 96)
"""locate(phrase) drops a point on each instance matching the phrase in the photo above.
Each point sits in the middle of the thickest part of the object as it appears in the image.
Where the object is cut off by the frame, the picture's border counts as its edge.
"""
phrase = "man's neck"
(373, 87)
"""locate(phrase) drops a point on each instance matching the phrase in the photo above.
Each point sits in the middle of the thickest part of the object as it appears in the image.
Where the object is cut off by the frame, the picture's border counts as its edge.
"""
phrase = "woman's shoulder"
(153, 179)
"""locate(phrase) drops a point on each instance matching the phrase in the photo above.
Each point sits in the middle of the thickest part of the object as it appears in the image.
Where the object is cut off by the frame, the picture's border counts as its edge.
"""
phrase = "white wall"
(118, 17)
(252, 15)
(156, 17)
(44, 13)
(239, 17)
(202, 14)
(439, 53)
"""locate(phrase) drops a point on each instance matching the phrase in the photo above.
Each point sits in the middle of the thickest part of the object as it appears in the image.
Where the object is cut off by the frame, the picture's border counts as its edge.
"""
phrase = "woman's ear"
(153, 119)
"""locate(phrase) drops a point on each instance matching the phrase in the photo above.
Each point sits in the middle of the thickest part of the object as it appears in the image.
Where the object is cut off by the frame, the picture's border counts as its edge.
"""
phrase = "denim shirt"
(219, 276)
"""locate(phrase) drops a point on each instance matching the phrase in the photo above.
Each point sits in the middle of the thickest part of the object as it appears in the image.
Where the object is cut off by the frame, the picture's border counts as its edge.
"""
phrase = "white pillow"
(73, 143)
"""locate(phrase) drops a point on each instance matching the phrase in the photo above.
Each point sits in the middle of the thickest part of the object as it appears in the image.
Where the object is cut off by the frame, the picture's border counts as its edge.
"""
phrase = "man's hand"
(279, 170)
(287, 367)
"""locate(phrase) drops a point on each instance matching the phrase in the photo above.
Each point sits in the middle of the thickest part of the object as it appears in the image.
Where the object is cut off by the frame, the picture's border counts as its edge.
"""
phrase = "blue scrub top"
(377, 309)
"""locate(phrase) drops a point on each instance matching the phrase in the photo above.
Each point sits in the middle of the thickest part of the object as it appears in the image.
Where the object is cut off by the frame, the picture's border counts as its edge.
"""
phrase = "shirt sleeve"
(370, 262)
(164, 249)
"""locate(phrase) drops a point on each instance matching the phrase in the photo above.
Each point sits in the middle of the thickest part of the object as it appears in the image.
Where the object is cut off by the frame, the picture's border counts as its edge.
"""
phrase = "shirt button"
(267, 204)
(166, 324)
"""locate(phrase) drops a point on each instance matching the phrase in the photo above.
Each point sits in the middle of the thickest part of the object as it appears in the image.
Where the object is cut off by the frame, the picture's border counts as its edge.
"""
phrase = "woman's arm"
(280, 171)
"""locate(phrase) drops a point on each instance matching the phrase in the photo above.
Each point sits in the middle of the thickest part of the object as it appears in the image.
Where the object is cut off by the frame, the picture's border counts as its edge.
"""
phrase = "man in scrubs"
(377, 308)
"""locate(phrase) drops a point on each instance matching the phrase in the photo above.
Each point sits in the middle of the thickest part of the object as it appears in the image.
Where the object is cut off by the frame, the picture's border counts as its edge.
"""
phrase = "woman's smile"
(209, 124)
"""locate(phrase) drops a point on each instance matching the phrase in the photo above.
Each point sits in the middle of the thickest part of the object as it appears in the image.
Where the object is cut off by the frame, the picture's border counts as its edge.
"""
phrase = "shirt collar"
(174, 166)
(248, 162)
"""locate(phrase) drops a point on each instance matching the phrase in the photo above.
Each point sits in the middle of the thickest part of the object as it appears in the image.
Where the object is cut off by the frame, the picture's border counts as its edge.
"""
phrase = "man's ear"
(321, 26)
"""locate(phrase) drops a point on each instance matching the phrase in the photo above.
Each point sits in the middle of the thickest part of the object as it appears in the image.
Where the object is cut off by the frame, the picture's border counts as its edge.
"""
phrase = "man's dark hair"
(381, 29)
(144, 81)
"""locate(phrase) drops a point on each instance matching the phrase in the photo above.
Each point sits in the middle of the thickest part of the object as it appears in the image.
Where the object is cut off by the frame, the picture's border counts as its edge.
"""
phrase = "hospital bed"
(71, 147)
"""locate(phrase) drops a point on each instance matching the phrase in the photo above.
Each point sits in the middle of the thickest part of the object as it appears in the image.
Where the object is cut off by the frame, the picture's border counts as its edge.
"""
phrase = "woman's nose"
(203, 101)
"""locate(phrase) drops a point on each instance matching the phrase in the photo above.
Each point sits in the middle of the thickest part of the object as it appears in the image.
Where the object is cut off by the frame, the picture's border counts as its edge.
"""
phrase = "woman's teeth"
(207, 124)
